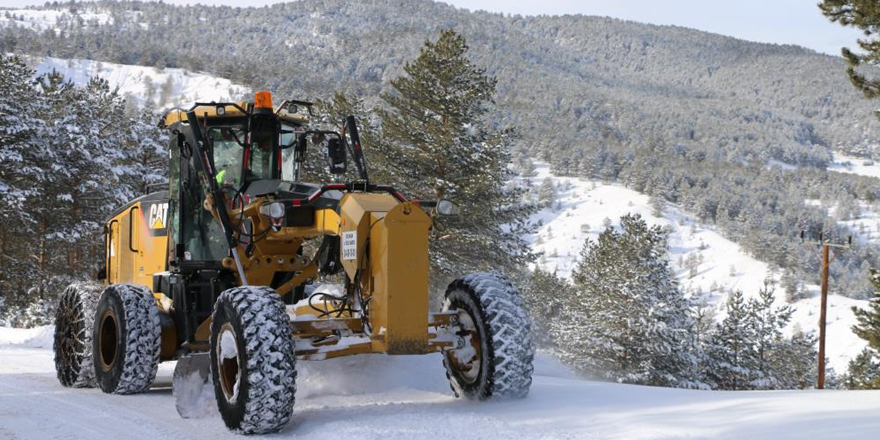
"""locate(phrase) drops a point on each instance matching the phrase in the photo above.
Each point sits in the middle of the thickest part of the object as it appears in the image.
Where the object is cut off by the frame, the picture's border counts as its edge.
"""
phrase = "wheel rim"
(228, 368)
(467, 361)
(108, 340)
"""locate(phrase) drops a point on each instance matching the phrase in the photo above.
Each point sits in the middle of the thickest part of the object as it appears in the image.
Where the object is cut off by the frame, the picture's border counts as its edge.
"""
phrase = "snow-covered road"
(376, 397)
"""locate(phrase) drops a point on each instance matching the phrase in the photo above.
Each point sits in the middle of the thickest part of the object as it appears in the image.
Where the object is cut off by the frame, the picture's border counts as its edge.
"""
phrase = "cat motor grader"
(215, 273)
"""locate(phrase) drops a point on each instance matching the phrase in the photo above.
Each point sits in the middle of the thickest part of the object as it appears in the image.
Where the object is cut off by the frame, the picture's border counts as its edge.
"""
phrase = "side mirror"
(338, 158)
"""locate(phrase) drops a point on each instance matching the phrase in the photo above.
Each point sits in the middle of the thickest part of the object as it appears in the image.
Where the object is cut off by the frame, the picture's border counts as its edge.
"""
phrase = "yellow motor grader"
(218, 273)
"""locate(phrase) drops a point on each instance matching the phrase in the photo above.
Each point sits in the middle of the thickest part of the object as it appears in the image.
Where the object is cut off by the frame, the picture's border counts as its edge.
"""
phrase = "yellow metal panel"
(399, 280)
(135, 251)
(356, 211)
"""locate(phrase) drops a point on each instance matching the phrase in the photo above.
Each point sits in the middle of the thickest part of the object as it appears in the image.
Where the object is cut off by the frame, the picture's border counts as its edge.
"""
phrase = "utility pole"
(826, 262)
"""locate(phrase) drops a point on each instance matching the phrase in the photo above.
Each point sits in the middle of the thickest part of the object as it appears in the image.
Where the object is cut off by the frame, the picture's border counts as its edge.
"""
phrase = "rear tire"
(253, 363)
(496, 361)
(127, 339)
(74, 320)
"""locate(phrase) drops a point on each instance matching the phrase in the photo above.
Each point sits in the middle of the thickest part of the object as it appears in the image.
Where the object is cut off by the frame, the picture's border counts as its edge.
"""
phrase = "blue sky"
(772, 21)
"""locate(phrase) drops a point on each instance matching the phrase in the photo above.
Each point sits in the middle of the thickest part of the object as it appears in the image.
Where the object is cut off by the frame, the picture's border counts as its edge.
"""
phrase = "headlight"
(274, 210)
(445, 207)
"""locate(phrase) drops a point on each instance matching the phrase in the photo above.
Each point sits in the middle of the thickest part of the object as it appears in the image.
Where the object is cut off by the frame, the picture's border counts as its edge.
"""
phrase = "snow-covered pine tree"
(546, 193)
(625, 319)
(84, 131)
(863, 372)
(730, 350)
(868, 326)
(333, 112)
(865, 16)
(544, 297)
(145, 149)
(439, 132)
(767, 323)
(19, 179)
(795, 362)
(17, 133)
(69, 156)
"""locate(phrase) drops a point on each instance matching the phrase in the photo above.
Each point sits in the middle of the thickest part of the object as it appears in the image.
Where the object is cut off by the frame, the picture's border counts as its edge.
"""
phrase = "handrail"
(131, 228)
(350, 187)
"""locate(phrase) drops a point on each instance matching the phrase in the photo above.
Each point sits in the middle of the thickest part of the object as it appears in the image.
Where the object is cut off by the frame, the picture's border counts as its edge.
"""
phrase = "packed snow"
(161, 88)
(583, 206)
(407, 397)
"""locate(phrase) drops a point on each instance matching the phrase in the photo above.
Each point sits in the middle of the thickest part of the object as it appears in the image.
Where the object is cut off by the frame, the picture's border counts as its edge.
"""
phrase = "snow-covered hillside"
(46, 19)
(407, 397)
(162, 88)
(705, 263)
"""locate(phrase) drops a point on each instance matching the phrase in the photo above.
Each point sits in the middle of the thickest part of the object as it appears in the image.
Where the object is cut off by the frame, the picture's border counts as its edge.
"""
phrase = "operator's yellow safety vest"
(220, 176)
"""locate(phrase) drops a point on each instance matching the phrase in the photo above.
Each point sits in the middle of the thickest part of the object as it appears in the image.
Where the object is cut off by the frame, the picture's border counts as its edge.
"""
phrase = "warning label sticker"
(349, 245)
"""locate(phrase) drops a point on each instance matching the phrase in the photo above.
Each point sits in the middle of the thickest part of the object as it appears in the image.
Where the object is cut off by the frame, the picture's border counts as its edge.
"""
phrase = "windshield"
(228, 143)
(236, 165)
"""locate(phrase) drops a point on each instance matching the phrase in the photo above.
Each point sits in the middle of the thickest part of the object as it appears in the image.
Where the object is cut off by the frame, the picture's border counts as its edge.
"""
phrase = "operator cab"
(255, 150)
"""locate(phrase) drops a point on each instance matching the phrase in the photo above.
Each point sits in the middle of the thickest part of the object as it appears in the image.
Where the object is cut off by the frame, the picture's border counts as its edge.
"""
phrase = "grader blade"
(192, 387)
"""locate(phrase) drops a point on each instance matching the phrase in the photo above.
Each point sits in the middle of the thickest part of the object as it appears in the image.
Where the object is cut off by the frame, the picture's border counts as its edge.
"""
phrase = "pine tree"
(438, 132)
(544, 299)
(868, 326)
(626, 320)
(730, 351)
(795, 363)
(20, 150)
(863, 15)
(863, 372)
(748, 350)
(333, 112)
(792, 285)
(546, 193)
(767, 322)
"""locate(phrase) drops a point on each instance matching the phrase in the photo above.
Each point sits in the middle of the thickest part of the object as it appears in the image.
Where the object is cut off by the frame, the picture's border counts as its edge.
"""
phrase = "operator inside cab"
(234, 157)
(227, 156)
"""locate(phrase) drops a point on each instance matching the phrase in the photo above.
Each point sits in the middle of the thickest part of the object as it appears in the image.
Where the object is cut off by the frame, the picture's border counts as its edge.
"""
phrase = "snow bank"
(37, 337)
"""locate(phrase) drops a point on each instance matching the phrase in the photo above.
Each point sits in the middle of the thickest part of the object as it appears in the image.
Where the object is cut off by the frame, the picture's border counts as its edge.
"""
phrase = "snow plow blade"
(192, 387)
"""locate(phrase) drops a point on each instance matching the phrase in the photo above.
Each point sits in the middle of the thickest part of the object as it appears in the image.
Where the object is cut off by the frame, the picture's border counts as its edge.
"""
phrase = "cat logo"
(157, 218)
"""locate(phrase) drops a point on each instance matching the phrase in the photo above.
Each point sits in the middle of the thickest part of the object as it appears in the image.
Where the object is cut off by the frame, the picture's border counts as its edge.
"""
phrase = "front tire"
(253, 362)
(127, 339)
(74, 320)
(496, 360)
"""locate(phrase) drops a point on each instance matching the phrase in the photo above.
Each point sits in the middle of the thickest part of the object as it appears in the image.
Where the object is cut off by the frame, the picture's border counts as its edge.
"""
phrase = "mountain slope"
(706, 264)
(588, 78)
(158, 88)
